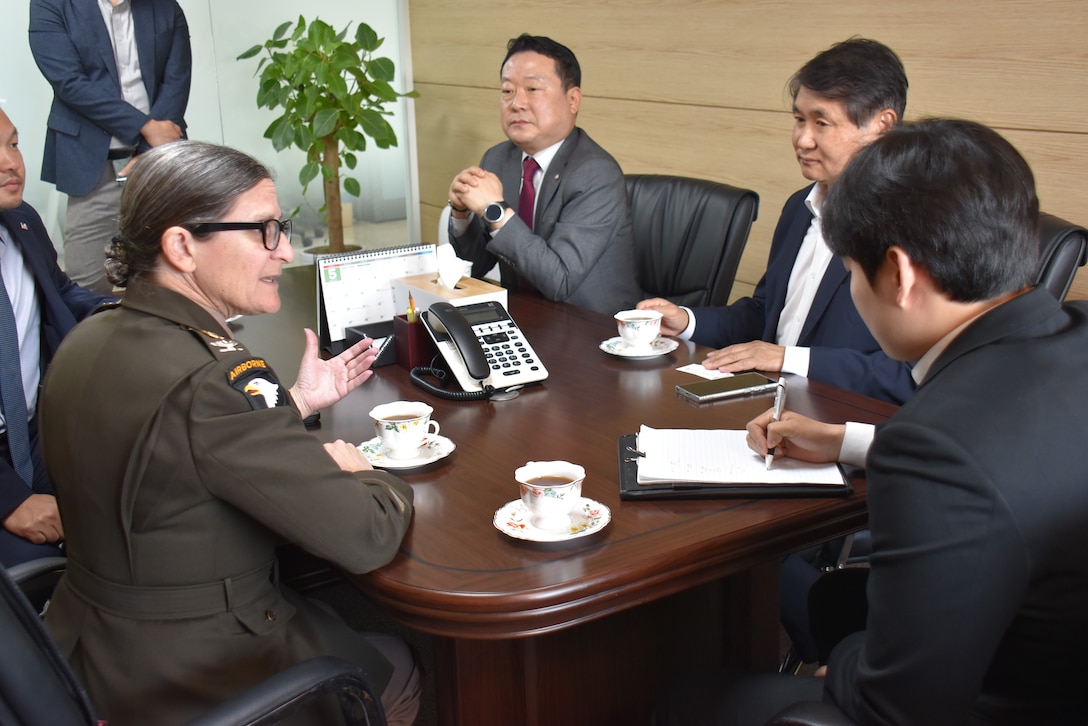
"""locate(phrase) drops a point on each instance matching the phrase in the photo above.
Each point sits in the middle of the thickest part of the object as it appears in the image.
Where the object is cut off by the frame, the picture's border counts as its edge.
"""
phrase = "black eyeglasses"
(271, 229)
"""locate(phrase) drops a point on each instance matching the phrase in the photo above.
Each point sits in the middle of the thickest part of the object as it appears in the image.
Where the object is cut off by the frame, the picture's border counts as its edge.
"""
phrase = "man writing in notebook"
(977, 499)
(800, 318)
(549, 205)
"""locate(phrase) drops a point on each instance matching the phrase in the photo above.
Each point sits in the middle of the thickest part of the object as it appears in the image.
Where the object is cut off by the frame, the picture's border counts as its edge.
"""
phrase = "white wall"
(222, 106)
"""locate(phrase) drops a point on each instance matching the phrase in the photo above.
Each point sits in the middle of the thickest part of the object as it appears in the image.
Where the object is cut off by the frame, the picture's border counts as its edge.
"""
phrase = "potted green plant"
(333, 92)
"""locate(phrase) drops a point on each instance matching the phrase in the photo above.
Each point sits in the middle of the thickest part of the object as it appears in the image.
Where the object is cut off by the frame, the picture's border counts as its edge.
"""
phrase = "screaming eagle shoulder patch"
(256, 381)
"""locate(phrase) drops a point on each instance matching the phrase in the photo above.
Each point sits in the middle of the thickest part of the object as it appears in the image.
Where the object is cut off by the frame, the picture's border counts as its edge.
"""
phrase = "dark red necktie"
(527, 200)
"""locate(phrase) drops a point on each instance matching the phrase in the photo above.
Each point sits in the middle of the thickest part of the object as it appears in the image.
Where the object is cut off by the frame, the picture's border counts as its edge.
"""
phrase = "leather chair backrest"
(689, 236)
(1063, 247)
(36, 684)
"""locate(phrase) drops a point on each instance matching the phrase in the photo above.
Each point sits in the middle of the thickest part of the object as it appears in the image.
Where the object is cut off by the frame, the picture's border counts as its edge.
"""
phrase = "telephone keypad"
(504, 348)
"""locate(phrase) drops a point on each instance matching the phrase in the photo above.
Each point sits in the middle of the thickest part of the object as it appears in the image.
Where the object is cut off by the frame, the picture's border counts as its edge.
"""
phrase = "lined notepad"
(719, 456)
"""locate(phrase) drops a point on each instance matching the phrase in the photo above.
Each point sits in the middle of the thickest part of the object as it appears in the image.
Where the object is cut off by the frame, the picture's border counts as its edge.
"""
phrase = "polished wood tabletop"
(504, 611)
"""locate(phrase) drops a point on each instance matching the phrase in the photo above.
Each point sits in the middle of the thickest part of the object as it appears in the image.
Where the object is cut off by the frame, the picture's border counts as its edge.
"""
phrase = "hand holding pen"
(779, 404)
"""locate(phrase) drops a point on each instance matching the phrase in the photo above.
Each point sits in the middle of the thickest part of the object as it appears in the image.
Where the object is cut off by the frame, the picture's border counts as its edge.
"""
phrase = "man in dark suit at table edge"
(46, 305)
(565, 233)
(800, 318)
(978, 584)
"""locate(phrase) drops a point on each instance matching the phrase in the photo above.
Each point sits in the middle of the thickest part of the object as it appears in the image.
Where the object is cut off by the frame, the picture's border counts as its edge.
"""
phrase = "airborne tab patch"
(256, 381)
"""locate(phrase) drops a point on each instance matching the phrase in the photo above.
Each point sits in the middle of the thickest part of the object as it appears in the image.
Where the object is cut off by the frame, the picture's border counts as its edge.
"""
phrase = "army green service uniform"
(180, 464)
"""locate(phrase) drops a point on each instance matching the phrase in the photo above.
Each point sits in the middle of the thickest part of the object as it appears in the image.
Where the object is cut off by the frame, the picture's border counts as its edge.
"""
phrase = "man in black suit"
(566, 232)
(46, 305)
(977, 496)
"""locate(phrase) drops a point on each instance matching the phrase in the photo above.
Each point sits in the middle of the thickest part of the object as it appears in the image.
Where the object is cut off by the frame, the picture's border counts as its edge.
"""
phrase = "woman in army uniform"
(181, 462)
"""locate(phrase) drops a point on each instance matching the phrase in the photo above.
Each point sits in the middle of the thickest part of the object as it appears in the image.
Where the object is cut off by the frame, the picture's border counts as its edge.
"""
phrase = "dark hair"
(954, 195)
(867, 76)
(566, 65)
(175, 185)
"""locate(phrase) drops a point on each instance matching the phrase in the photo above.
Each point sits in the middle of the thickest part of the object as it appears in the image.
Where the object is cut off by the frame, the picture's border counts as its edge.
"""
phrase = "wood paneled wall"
(697, 87)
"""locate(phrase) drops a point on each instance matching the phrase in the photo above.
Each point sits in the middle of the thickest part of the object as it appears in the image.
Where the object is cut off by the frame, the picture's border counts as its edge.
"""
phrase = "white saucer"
(433, 449)
(588, 517)
(660, 346)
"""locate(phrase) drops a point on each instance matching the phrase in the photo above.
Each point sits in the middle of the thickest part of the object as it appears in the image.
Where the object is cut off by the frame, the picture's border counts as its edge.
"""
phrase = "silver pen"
(779, 404)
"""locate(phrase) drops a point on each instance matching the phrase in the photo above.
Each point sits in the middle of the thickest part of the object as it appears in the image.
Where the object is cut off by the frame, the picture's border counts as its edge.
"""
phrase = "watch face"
(493, 212)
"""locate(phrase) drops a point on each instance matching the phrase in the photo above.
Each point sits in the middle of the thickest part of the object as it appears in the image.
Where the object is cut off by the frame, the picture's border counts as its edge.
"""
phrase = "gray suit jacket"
(580, 249)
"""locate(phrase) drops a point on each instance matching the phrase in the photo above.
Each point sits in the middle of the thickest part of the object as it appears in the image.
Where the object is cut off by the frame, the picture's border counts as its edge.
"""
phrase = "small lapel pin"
(22, 226)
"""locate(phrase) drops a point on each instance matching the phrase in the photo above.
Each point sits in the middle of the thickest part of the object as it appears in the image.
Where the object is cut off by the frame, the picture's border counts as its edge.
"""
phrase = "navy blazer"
(842, 350)
(978, 508)
(63, 304)
(72, 48)
(581, 248)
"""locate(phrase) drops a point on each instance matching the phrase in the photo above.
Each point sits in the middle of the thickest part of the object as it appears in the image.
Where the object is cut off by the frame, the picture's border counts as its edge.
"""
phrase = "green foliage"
(327, 84)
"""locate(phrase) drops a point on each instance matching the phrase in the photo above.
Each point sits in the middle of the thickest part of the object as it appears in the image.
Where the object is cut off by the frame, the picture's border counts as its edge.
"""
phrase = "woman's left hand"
(322, 383)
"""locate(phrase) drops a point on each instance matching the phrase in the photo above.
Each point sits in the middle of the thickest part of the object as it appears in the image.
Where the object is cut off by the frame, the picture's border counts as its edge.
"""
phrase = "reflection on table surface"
(489, 598)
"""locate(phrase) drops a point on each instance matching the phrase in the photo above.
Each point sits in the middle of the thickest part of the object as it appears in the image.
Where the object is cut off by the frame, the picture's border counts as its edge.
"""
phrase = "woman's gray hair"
(175, 185)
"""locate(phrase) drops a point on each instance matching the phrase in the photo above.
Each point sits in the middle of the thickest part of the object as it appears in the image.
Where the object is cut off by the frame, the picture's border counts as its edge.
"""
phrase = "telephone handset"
(483, 347)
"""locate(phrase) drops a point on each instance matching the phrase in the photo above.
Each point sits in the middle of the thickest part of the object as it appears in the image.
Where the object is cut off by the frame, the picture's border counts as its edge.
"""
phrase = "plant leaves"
(366, 38)
(325, 122)
(308, 173)
(381, 69)
(351, 186)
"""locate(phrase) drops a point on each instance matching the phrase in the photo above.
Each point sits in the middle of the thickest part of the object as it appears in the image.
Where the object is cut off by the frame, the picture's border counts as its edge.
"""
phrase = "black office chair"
(689, 236)
(38, 687)
(1063, 247)
(37, 579)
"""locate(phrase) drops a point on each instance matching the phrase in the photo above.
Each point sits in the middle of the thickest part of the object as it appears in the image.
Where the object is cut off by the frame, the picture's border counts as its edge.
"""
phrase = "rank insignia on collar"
(226, 345)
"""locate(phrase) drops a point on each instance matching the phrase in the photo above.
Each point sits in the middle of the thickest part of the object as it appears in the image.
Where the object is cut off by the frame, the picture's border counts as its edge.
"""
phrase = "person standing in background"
(120, 72)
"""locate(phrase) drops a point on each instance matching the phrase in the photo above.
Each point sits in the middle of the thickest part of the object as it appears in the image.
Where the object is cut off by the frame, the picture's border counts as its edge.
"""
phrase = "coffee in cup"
(638, 328)
(401, 426)
(550, 490)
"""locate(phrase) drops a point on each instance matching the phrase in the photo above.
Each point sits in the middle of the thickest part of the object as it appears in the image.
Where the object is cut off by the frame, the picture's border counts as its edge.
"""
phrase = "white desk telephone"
(483, 347)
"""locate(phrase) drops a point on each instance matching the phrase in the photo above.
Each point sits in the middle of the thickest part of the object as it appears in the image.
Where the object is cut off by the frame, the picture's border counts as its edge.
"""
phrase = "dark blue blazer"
(72, 48)
(842, 350)
(63, 304)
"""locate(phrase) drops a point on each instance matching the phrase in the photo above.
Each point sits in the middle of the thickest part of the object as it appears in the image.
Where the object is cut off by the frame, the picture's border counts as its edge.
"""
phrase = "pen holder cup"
(414, 346)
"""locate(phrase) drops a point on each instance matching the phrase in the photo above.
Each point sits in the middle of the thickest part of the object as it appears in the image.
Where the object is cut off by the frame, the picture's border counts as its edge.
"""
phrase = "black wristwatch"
(494, 212)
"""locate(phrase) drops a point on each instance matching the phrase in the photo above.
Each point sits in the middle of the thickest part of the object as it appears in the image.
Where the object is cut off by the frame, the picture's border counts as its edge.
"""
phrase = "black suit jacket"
(63, 304)
(978, 506)
(581, 248)
(842, 350)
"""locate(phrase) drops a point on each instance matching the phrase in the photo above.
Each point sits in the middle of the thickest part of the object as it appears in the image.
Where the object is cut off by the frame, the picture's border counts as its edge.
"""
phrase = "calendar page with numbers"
(356, 288)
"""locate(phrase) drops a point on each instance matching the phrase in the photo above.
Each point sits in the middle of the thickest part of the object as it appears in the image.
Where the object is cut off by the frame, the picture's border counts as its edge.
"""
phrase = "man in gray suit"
(549, 205)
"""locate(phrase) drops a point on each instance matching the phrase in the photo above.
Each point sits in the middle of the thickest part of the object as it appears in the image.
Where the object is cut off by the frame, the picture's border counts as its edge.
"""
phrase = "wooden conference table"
(590, 630)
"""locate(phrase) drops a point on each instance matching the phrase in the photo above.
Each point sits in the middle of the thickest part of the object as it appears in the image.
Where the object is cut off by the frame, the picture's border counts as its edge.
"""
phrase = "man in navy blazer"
(51, 305)
(120, 78)
(567, 232)
(800, 319)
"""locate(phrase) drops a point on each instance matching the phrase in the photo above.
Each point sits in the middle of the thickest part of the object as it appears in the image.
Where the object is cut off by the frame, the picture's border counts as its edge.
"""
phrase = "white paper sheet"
(719, 456)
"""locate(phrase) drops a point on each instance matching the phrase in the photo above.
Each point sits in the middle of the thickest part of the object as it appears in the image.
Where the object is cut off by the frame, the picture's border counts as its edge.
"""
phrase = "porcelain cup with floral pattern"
(550, 490)
(402, 425)
(638, 328)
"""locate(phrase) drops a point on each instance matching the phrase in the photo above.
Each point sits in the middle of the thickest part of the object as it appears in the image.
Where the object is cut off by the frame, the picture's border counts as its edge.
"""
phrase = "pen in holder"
(414, 346)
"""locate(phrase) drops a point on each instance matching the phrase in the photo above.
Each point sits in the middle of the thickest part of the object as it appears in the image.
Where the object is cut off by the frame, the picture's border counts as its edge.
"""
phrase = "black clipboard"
(631, 489)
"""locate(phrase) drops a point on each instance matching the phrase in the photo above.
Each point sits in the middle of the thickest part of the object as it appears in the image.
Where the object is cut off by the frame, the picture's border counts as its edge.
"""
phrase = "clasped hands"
(473, 189)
